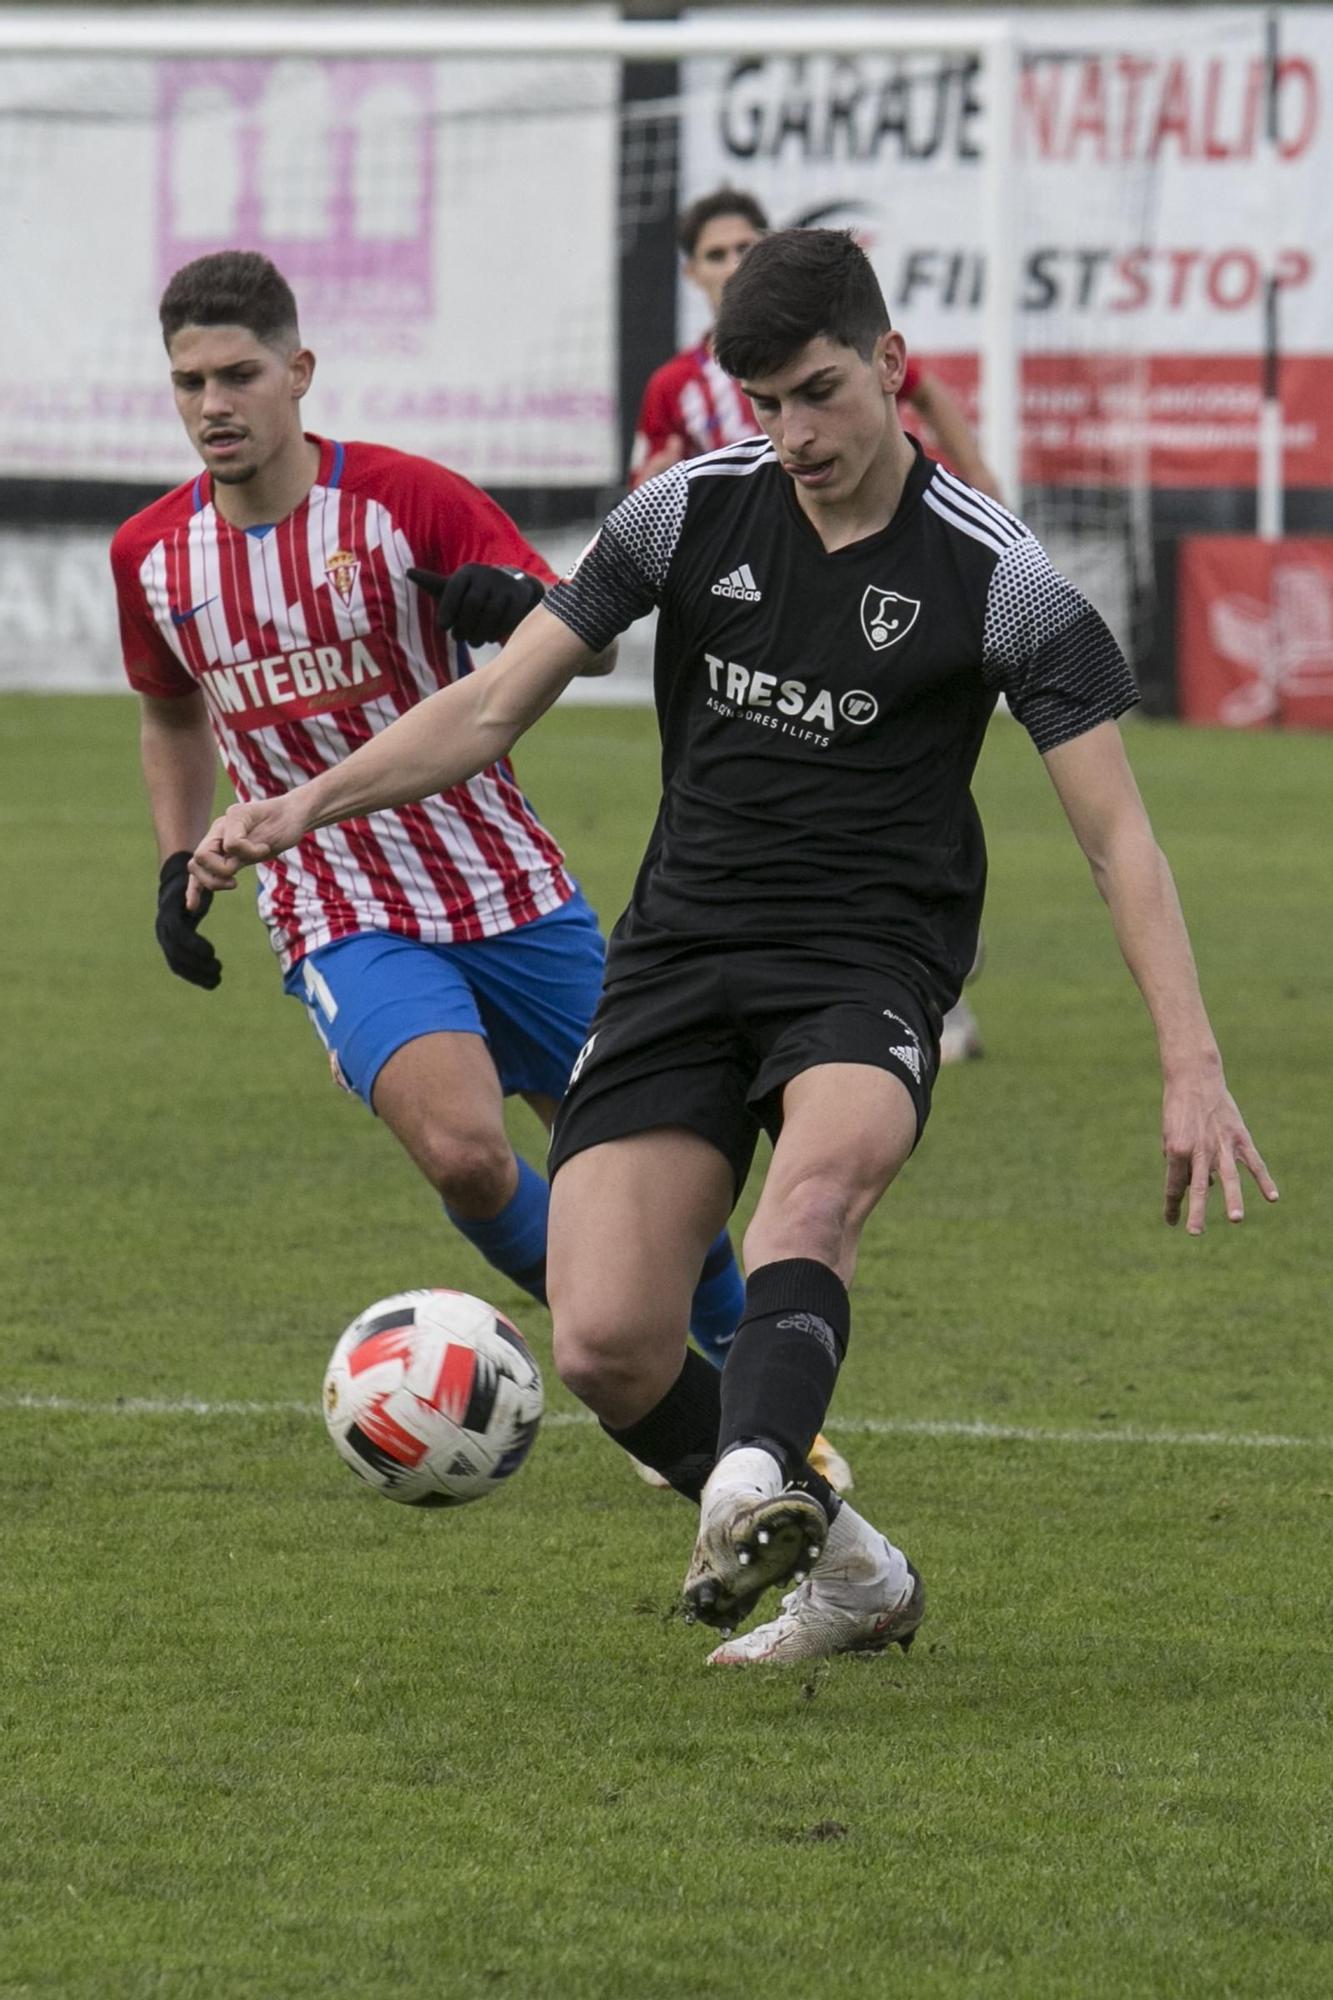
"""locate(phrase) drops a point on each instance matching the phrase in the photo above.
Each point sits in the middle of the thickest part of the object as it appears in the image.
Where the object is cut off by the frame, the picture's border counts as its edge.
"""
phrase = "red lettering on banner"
(1120, 108)
(291, 687)
(1229, 293)
(1134, 73)
(1296, 68)
(1039, 108)
(1254, 632)
(1173, 113)
(1089, 111)
(1182, 262)
(1291, 267)
(1132, 268)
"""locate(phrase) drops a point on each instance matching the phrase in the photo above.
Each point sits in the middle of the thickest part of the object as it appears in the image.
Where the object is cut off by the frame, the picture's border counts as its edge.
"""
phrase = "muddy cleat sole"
(811, 1627)
(748, 1549)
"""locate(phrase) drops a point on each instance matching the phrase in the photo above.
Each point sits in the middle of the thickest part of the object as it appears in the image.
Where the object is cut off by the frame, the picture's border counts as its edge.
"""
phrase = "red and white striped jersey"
(693, 399)
(307, 638)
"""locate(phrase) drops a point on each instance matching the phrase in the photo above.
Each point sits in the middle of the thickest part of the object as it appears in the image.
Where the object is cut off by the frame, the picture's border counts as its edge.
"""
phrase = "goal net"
(477, 213)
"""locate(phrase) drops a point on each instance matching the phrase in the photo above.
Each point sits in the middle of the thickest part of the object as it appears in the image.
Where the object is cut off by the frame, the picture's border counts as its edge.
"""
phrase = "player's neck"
(871, 504)
(276, 491)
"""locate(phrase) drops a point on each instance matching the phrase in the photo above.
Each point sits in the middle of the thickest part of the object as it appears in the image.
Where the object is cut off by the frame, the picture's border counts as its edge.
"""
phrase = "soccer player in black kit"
(837, 618)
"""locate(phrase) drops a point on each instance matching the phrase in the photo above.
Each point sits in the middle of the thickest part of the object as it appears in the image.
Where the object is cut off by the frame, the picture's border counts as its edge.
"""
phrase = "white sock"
(858, 1553)
(745, 1470)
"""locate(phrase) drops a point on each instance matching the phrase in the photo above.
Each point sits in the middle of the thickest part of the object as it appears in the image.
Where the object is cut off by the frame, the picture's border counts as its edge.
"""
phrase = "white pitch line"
(978, 1430)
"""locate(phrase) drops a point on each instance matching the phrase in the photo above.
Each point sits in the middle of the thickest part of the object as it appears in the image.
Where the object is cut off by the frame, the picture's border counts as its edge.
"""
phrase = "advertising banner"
(454, 276)
(1166, 174)
(1254, 632)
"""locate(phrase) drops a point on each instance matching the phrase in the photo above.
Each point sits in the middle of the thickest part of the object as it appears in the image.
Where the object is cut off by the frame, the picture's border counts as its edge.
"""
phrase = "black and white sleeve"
(1049, 652)
(621, 574)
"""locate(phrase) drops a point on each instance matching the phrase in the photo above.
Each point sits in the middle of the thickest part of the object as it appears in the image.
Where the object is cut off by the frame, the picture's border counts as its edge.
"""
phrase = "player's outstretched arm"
(1204, 1137)
(436, 745)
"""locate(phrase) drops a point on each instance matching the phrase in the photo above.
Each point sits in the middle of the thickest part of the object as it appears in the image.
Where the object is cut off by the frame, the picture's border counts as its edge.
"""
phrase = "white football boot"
(754, 1533)
(861, 1597)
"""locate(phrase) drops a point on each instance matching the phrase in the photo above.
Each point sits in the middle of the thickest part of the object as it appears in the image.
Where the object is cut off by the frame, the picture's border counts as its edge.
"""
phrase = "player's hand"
(243, 835)
(480, 602)
(189, 955)
(1205, 1139)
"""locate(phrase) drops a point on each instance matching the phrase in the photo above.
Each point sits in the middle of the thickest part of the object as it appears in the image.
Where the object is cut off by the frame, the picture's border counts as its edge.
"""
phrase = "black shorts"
(707, 1042)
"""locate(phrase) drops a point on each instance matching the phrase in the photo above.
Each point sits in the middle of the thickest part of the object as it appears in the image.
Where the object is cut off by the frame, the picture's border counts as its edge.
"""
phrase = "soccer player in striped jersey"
(806, 909)
(285, 605)
(691, 405)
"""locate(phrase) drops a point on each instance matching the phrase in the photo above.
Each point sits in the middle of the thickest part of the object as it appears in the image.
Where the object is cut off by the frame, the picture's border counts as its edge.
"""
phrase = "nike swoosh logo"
(184, 617)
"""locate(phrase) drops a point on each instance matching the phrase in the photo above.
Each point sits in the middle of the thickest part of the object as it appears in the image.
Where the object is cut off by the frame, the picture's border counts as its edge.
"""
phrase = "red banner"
(1254, 632)
(1162, 420)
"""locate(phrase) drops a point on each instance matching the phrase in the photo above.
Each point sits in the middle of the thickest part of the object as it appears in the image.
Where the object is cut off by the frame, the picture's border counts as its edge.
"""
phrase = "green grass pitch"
(266, 1736)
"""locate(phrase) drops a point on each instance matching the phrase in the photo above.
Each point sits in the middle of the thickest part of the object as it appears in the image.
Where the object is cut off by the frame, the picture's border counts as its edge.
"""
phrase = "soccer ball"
(433, 1398)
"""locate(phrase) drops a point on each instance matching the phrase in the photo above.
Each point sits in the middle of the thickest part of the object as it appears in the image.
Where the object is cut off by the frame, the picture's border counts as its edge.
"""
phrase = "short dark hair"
(231, 288)
(722, 201)
(796, 286)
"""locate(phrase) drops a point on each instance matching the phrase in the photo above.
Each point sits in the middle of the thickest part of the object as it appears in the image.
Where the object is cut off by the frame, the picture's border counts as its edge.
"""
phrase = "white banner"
(1153, 205)
(448, 229)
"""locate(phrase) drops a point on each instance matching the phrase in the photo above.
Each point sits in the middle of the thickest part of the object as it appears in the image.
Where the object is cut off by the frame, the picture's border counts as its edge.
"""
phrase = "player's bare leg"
(630, 1223)
(440, 1096)
(847, 1129)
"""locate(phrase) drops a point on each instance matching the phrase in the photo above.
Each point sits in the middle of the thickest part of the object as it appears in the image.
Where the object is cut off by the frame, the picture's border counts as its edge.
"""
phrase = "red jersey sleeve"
(447, 520)
(150, 665)
(659, 417)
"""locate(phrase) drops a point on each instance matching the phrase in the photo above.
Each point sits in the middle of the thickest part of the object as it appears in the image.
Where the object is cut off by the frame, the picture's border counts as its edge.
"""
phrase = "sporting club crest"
(886, 617)
(342, 573)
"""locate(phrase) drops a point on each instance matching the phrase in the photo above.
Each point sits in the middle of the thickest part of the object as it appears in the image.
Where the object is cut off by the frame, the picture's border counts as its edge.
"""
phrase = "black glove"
(480, 602)
(190, 956)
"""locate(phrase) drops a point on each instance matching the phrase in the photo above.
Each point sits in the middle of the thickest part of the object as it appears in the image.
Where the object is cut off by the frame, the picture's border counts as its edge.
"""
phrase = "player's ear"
(302, 370)
(890, 362)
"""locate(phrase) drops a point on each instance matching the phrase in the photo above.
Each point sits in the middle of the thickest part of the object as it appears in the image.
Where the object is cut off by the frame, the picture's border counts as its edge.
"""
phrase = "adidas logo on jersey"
(740, 584)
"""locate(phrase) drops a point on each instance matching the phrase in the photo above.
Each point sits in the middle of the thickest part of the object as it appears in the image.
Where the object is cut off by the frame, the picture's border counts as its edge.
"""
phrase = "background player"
(445, 955)
(691, 405)
(807, 905)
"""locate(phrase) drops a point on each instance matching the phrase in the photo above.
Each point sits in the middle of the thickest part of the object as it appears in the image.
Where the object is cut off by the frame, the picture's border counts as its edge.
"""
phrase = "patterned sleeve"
(622, 573)
(1049, 652)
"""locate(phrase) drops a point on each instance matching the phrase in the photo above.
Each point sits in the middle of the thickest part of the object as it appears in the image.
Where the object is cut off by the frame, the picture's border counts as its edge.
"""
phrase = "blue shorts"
(530, 993)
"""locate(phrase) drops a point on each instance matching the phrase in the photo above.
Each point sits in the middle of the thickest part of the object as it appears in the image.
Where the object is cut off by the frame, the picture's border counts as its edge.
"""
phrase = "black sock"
(678, 1437)
(784, 1361)
(815, 1484)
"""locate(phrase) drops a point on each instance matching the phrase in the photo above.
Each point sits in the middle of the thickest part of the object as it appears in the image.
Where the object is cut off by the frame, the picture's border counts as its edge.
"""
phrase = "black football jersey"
(822, 714)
